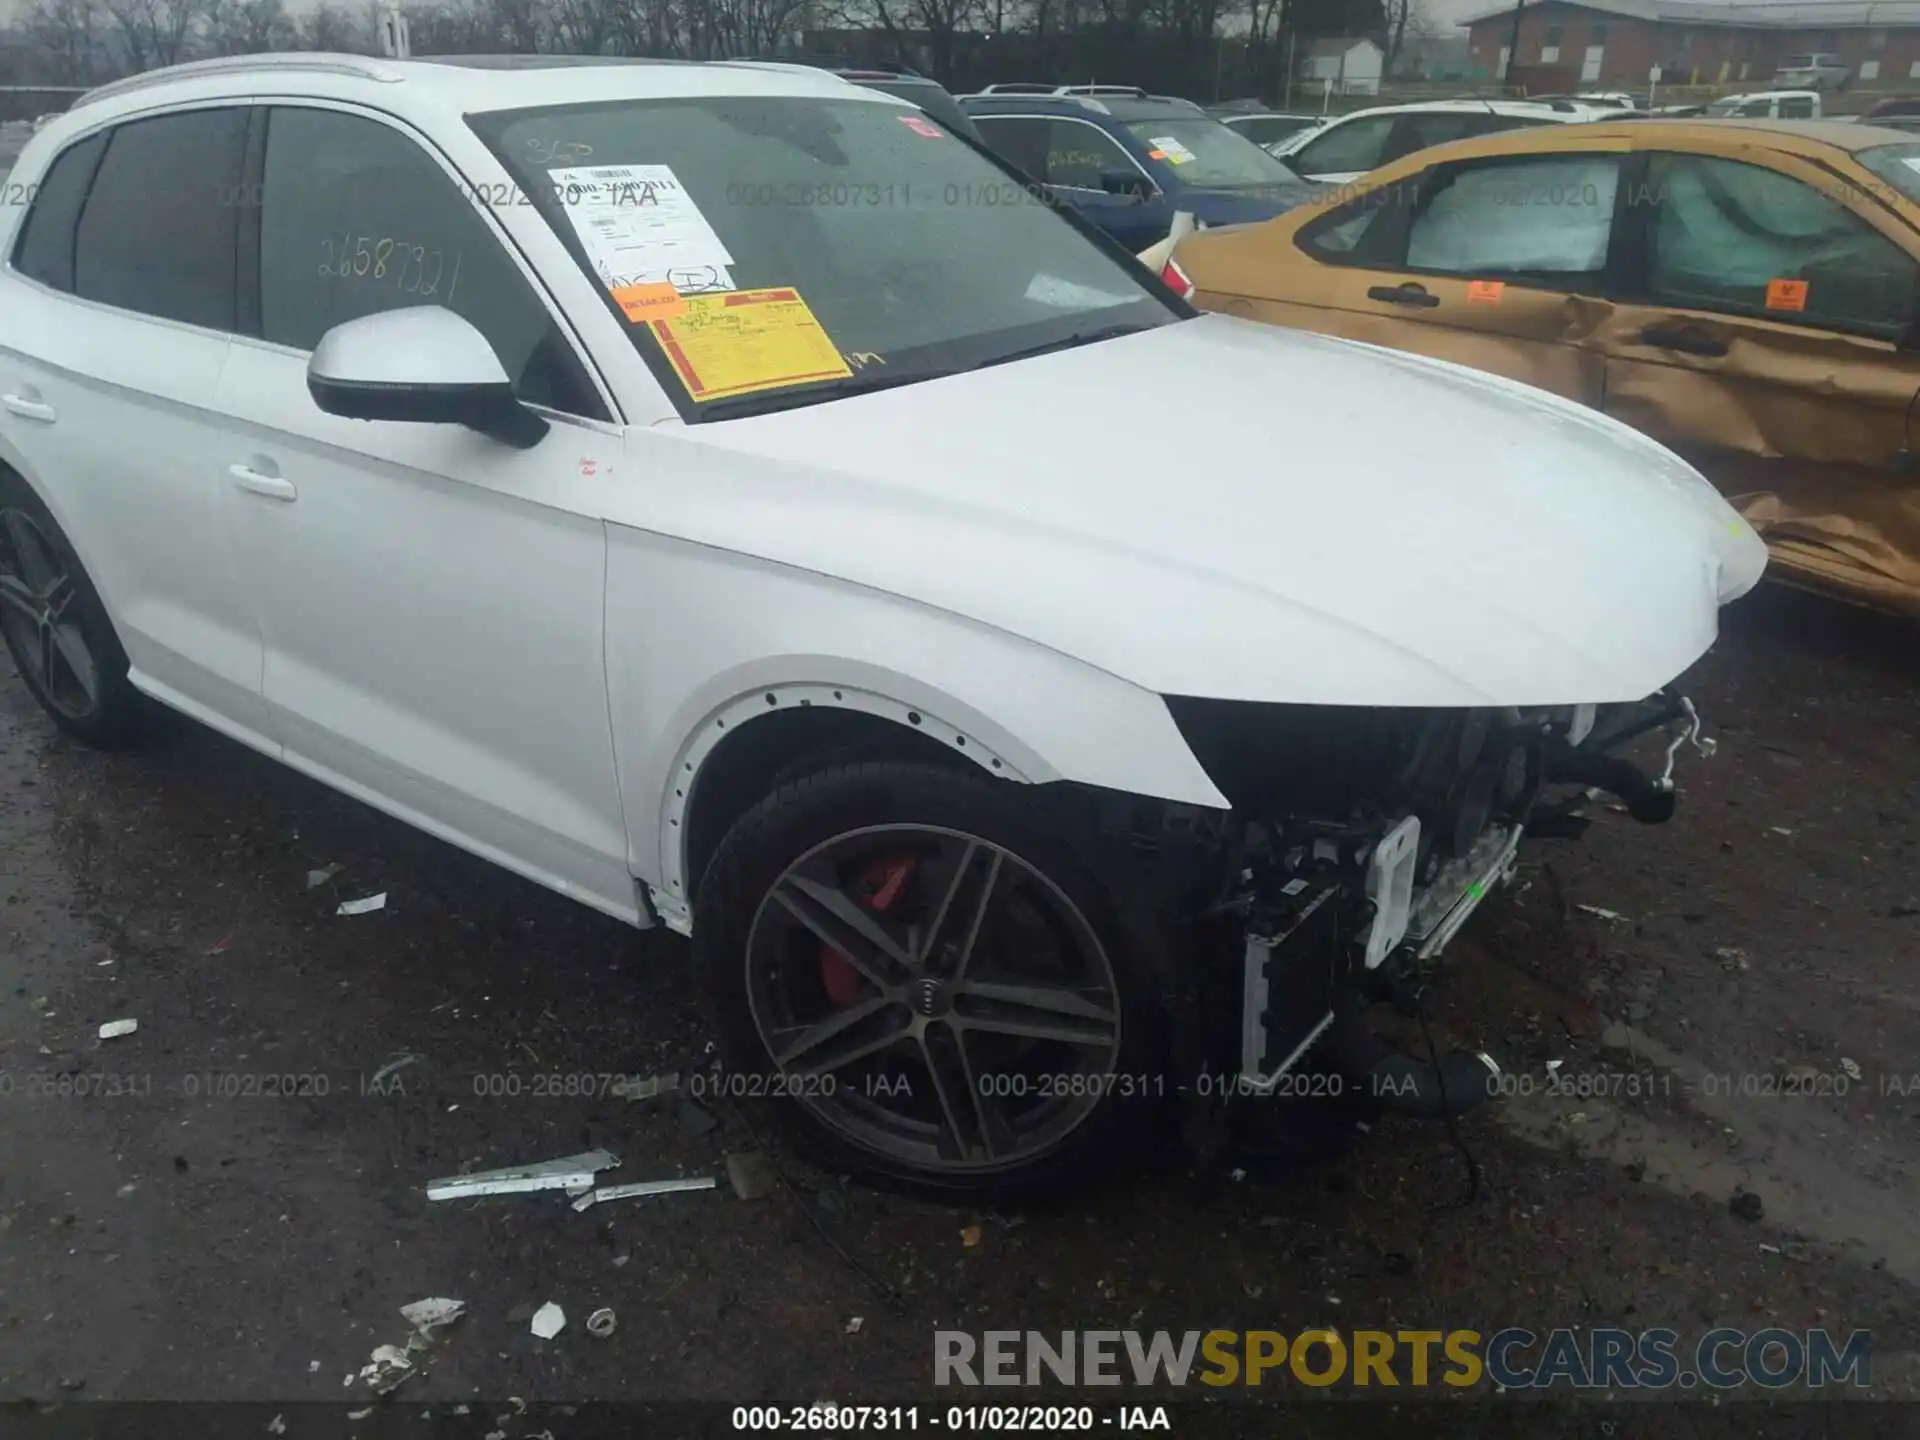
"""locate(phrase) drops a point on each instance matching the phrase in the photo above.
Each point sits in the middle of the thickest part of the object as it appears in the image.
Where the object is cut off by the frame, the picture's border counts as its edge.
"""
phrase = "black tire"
(839, 800)
(114, 716)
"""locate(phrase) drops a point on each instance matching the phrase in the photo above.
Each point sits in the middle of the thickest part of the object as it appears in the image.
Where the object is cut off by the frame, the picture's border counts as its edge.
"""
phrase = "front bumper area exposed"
(1337, 921)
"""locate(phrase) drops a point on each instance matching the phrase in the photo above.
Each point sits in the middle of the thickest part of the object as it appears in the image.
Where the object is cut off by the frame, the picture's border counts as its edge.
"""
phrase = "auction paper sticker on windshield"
(1786, 294)
(1171, 149)
(747, 341)
(640, 227)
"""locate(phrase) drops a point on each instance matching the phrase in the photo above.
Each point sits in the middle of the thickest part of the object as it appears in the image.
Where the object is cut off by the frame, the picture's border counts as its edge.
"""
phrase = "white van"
(1768, 105)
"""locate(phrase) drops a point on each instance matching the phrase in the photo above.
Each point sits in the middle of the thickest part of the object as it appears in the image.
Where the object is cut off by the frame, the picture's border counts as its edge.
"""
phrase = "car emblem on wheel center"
(930, 997)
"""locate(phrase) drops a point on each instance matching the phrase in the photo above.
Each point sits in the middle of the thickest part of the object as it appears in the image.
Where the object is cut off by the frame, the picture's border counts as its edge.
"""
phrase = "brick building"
(1616, 42)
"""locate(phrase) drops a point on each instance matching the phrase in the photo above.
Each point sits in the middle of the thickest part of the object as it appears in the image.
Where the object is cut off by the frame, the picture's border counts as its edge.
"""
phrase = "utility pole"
(393, 34)
(1513, 43)
(1287, 104)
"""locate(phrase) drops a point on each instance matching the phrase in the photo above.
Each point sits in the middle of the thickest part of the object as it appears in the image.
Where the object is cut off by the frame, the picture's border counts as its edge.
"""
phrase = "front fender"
(701, 641)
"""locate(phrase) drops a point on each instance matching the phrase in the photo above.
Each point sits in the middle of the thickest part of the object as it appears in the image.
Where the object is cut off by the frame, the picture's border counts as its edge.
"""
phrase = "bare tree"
(584, 27)
(457, 27)
(67, 34)
(748, 27)
(1404, 18)
(152, 32)
(908, 23)
(328, 27)
(248, 27)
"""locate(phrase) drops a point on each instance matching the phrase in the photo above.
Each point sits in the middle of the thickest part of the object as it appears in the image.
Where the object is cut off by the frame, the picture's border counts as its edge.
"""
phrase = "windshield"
(1265, 129)
(1733, 106)
(1204, 152)
(1797, 62)
(767, 251)
(1898, 164)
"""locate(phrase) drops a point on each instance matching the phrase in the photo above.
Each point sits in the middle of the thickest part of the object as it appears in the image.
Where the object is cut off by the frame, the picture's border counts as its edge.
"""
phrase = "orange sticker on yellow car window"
(1786, 294)
(1485, 292)
(657, 301)
(747, 340)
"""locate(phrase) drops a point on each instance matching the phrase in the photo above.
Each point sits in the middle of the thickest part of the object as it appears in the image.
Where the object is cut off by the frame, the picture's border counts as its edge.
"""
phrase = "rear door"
(120, 316)
(1759, 335)
(1500, 263)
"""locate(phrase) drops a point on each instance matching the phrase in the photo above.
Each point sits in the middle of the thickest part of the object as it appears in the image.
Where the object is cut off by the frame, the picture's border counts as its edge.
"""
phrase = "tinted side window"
(1077, 152)
(159, 229)
(1354, 146)
(1019, 140)
(1420, 130)
(355, 219)
(46, 239)
(1725, 235)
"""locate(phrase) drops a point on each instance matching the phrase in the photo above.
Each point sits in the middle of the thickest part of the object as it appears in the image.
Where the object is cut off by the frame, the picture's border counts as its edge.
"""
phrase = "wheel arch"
(731, 758)
(14, 468)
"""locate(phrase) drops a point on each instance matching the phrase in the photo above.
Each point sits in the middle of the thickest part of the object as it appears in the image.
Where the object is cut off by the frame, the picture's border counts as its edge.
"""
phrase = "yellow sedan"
(1746, 292)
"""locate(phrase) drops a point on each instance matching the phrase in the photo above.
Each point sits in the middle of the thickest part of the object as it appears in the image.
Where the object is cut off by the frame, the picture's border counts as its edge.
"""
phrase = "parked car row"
(726, 496)
(1746, 292)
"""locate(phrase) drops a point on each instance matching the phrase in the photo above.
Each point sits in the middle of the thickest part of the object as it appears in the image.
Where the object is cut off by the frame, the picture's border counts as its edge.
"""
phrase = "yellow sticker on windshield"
(748, 340)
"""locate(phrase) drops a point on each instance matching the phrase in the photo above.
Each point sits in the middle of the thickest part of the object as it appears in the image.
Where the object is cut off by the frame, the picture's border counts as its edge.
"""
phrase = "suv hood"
(1225, 509)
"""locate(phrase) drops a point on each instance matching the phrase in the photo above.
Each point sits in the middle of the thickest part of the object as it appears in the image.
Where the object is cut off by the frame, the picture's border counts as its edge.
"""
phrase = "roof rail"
(813, 61)
(1128, 91)
(1018, 87)
(359, 66)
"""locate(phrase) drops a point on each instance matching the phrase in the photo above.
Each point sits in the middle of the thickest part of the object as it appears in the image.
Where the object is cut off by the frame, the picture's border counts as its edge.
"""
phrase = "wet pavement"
(226, 1205)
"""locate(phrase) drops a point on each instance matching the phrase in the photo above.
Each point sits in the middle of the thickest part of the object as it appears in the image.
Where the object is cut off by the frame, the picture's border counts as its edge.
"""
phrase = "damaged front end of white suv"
(1361, 840)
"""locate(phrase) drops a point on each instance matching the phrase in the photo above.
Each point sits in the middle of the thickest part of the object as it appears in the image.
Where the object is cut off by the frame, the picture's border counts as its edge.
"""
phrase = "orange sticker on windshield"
(1156, 154)
(748, 340)
(641, 303)
(1485, 292)
(1786, 294)
(921, 126)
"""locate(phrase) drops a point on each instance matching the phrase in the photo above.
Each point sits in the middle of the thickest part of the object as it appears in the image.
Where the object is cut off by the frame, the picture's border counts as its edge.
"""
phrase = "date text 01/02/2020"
(982, 1419)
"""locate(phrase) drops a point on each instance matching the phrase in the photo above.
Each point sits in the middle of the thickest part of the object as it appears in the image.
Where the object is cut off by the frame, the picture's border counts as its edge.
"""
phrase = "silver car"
(1812, 72)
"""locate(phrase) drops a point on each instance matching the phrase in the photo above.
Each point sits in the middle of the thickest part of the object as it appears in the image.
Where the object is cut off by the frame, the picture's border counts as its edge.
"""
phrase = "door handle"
(1405, 294)
(1686, 339)
(27, 409)
(260, 483)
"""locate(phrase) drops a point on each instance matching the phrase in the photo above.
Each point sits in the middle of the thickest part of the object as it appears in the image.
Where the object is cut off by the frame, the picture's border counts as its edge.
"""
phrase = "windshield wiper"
(1070, 342)
(768, 402)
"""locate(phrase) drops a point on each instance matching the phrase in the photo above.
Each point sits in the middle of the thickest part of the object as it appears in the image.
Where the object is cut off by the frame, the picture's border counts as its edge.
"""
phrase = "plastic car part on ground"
(573, 1174)
(642, 1187)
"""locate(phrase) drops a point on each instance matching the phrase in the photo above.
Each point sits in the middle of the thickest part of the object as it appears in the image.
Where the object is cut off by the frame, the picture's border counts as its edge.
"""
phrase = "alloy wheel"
(934, 998)
(40, 619)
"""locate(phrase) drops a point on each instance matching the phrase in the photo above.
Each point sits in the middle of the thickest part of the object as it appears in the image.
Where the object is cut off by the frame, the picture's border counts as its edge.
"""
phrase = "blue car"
(1126, 160)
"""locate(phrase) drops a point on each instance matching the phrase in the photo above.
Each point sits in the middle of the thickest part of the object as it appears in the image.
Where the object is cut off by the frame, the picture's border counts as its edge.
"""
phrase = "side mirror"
(424, 365)
(1126, 182)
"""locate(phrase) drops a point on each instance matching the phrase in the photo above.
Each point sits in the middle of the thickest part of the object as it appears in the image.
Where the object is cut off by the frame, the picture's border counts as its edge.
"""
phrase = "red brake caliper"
(880, 886)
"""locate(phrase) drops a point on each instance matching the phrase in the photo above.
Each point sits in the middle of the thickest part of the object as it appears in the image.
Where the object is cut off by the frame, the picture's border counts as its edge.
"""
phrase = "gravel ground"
(160, 1239)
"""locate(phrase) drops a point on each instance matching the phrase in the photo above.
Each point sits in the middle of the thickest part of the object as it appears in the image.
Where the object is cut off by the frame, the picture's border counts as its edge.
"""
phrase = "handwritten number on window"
(415, 270)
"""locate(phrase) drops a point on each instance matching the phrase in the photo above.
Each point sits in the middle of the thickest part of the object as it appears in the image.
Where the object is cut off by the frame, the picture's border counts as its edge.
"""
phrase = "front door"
(1762, 342)
(1498, 264)
(431, 600)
